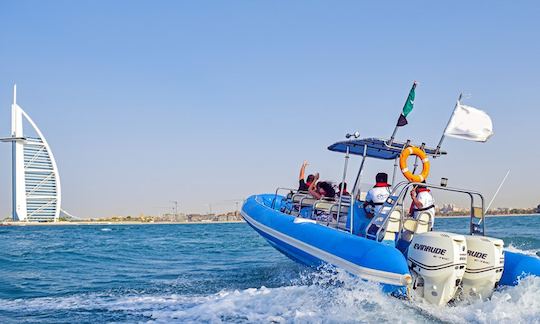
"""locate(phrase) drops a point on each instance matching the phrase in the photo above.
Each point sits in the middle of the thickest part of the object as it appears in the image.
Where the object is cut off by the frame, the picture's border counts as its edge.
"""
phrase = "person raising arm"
(313, 188)
(304, 184)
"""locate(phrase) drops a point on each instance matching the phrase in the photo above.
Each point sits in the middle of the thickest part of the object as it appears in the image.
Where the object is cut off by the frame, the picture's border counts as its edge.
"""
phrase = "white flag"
(469, 123)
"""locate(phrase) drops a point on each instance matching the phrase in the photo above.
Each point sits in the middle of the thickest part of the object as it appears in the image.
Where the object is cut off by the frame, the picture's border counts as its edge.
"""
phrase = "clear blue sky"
(144, 102)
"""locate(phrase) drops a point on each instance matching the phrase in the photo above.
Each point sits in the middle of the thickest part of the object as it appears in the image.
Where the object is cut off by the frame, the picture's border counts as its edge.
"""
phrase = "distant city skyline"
(206, 102)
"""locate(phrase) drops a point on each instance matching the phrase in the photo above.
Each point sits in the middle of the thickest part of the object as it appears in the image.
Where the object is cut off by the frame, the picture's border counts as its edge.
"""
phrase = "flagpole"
(397, 126)
(393, 136)
(437, 150)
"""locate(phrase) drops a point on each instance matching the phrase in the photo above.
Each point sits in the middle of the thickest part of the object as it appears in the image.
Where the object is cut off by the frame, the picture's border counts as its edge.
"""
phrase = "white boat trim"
(362, 272)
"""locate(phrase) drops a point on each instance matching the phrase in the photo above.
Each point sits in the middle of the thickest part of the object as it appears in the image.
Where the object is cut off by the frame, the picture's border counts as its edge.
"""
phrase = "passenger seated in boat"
(377, 195)
(422, 201)
(321, 189)
(343, 189)
(304, 184)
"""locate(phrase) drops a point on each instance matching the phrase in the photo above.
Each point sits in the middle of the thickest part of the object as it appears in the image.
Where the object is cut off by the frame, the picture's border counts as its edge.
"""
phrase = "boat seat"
(410, 225)
(344, 207)
(297, 197)
(330, 206)
(409, 228)
(393, 222)
(296, 202)
(324, 205)
(392, 228)
(413, 226)
(307, 201)
(423, 223)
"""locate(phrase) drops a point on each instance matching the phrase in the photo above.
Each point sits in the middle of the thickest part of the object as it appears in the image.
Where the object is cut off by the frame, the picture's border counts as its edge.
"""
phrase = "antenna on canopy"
(15, 94)
(355, 135)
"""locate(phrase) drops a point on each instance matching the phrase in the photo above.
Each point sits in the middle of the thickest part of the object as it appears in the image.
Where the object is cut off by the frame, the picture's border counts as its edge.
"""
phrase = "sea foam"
(321, 297)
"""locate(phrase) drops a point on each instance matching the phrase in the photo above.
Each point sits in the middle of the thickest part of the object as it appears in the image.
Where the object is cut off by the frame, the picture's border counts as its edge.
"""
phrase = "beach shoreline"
(489, 216)
(87, 223)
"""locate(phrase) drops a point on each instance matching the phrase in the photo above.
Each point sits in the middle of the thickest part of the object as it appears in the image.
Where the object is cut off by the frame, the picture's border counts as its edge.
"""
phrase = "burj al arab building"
(36, 184)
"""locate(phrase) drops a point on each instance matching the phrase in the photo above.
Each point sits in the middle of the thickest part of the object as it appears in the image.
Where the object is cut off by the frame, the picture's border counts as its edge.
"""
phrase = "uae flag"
(407, 108)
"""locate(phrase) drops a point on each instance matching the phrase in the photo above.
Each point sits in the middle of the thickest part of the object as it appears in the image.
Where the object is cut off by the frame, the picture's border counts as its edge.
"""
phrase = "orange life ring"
(405, 169)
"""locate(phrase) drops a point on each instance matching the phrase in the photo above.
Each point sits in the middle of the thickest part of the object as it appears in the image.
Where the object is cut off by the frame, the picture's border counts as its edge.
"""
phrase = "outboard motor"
(437, 262)
(485, 263)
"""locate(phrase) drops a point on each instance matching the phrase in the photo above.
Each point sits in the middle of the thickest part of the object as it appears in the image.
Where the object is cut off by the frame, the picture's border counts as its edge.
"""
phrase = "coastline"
(489, 216)
(101, 223)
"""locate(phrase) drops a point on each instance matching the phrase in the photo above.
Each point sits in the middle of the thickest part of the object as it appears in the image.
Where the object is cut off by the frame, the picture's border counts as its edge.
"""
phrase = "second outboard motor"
(437, 262)
(485, 263)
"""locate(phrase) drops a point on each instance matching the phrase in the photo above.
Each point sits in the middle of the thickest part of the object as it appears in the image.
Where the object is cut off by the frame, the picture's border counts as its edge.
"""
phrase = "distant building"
(36, 182)
(174, 217)
(447, 208)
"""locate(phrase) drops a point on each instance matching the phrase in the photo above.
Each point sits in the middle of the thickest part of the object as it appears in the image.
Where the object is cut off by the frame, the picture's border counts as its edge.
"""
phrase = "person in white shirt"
(377, 195)
(422, 201)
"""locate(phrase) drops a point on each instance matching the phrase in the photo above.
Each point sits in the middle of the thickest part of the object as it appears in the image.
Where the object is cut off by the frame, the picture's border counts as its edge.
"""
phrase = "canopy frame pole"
(438, 149)
(393, 136)
(395, 171)
(345, 167)
(356, 184)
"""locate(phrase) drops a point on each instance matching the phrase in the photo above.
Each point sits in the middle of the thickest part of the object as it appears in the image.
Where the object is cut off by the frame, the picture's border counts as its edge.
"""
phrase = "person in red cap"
(377, 195)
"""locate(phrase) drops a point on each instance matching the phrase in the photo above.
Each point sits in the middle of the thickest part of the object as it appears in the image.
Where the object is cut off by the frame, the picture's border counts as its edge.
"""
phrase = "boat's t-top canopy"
(377, 148)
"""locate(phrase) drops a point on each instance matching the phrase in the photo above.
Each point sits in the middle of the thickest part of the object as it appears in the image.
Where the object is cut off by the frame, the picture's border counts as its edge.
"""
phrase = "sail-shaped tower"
(36, 182)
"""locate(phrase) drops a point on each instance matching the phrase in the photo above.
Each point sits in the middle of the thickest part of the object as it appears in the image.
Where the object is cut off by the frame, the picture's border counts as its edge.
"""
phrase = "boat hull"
(313, 244)
(518, 266)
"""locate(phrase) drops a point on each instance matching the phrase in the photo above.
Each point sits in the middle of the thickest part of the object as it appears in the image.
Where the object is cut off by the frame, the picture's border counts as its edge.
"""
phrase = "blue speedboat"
(401, 253)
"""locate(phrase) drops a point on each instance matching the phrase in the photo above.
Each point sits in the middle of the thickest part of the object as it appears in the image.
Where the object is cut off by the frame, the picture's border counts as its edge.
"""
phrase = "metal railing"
(396, 201)
(276, 194)
(299, 200)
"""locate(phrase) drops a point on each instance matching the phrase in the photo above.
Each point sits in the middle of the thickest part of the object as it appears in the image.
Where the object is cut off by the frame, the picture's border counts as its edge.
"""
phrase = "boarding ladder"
(380, 219)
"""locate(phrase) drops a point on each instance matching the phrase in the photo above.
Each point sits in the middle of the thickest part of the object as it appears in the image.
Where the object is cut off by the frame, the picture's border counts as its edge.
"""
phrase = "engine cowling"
(485, 264)
(437, 262)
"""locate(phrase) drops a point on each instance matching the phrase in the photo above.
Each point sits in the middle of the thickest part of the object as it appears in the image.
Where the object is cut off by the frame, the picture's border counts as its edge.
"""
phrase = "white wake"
(322, 297)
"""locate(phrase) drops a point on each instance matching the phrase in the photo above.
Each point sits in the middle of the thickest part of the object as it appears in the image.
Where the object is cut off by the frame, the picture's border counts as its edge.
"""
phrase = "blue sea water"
(217, 273)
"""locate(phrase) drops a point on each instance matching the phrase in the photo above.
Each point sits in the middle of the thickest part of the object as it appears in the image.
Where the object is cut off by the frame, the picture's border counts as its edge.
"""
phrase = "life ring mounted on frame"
(416, 151)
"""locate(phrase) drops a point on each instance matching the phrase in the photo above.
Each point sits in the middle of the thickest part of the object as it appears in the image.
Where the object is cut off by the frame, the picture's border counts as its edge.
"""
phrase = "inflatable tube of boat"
(314, 244)
(518, 266)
